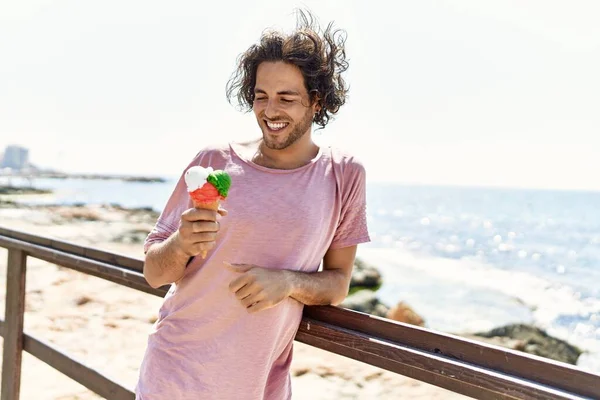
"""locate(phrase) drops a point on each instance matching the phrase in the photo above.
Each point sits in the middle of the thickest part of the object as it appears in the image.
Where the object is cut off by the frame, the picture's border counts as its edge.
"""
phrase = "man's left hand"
(259, 288)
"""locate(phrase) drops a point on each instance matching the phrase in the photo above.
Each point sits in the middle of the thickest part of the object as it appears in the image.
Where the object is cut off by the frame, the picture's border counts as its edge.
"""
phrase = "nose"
(271, 110)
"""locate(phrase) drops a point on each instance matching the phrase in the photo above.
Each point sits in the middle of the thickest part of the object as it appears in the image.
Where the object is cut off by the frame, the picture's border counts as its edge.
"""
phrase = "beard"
(298, 130)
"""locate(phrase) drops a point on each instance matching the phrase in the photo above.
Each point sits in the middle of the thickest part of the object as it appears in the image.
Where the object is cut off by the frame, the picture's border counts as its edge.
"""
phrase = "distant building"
(15, 157)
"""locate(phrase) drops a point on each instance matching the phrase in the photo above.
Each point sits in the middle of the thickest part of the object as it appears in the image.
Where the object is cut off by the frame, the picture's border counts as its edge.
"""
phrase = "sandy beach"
(105, 325)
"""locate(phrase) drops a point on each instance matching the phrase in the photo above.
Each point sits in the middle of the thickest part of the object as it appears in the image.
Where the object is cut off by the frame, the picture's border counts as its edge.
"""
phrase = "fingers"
(201, 245)
(189, 237)
(249, 295)
(199, 214)
(193, 244)
(238, 267)
(258, 306)
(205, 226)
(249, 290)
(198, 248)
(249, 301)
(202, 237)
(222, 212)
(239, 283)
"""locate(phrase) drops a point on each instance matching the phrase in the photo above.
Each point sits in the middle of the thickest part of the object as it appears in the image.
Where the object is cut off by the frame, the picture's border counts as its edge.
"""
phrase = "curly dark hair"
(320, 56)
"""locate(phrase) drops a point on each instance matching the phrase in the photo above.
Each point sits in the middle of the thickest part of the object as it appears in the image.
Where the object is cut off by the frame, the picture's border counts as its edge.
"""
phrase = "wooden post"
(13, 325)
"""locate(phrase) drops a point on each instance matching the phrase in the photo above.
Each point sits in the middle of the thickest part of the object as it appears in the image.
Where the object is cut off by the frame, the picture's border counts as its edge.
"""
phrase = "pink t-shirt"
(205, 345)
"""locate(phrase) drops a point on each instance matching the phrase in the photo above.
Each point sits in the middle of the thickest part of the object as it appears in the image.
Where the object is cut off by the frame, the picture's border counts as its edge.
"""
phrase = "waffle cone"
(214, 205)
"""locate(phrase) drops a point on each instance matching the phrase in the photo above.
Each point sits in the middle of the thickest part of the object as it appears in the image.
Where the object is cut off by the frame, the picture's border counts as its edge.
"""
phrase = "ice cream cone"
(207, 188)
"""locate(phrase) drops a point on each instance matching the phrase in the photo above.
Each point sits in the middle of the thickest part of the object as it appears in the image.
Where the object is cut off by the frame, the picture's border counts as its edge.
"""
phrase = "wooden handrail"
(13, 331)
(79, 372)
(500, 359)
(71, 248)
(115, 273)
(468, 379)
(464, 366)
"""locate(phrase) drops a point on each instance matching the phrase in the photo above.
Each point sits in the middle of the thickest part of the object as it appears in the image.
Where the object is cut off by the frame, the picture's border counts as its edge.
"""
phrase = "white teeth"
(276, 126)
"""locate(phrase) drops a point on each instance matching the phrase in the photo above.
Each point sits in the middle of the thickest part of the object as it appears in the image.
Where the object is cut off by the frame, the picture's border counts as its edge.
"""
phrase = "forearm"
(165, 262)
(329, 287)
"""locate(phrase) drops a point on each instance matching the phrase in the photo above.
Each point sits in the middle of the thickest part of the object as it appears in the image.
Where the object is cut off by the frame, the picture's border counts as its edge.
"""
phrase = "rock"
(402, 312)
(533, 340)
(7, 203)
(81, 300)
(79, 213)
(132, 236)
(20, 190)
(143, 212)
(300, 371)
(365, 276)
(365, 301)
(366, 279)
(380, 309)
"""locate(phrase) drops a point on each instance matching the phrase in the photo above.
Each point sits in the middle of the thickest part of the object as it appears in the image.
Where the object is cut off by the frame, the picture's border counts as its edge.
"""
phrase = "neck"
(298, 154)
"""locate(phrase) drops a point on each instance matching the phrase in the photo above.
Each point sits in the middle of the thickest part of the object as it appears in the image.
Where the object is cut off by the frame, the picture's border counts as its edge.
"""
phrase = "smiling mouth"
(276, 126)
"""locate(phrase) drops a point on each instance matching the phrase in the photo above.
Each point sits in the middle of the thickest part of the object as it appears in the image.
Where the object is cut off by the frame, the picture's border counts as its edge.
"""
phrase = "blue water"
(473, 258)
(467, 259)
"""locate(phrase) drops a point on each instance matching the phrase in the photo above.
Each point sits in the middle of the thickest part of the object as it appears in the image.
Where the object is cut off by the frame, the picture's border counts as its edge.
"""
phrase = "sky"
(495, 93)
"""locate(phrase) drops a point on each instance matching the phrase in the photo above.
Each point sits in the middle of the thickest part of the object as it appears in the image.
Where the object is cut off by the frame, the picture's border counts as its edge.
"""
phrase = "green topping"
(221, 180)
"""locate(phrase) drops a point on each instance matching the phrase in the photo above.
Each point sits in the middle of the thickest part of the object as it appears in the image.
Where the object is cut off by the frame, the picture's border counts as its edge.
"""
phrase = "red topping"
(206, 194)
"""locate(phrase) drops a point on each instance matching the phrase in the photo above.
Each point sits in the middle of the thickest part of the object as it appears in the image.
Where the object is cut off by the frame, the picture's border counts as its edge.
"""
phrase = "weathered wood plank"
(88, 377)
(527, 366)
(454, 375)
(114, 273)
(79, 372)
(13, 328)
(72, 248)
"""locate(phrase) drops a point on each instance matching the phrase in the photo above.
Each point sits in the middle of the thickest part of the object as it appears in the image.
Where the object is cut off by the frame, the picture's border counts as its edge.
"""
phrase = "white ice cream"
(195, 177)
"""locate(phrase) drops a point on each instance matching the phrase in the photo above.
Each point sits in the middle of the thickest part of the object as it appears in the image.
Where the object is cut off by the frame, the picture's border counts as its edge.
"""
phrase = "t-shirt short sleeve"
(178, 202)
(352, 228)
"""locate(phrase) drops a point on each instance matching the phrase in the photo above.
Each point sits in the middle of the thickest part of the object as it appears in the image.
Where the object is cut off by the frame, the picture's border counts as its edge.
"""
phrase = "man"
(227, 325)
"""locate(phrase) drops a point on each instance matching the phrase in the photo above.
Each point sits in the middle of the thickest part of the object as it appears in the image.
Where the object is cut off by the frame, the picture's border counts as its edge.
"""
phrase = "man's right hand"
(198, 230)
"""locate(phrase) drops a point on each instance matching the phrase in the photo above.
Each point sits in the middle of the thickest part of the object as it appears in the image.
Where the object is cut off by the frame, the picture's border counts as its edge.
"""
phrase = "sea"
(467, 259)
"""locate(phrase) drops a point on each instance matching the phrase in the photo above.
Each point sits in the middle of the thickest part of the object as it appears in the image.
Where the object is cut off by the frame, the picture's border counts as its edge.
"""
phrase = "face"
(281, 105)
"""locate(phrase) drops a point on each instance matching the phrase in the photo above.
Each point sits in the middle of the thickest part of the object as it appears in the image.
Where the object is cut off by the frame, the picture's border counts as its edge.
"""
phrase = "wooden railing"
(464, 366)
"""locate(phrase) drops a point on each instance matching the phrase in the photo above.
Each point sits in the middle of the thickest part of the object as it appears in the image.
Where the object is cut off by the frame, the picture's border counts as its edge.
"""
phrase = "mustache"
(275, 119)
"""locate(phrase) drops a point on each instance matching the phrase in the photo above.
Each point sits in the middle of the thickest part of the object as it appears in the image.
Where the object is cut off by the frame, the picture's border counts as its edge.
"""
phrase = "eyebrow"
(281, 93)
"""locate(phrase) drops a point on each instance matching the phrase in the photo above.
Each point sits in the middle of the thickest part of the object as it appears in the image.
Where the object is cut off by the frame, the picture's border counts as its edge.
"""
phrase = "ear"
(317, 106)
(316, 101)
